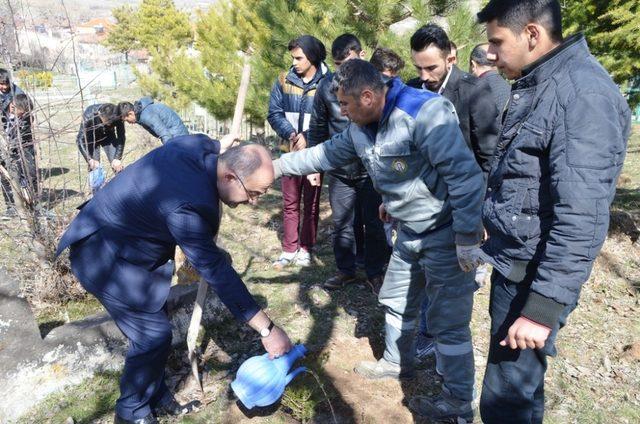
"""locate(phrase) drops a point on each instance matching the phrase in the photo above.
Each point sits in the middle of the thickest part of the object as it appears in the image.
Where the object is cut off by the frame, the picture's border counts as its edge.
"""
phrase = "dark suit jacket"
(122, 239)
(475, 106)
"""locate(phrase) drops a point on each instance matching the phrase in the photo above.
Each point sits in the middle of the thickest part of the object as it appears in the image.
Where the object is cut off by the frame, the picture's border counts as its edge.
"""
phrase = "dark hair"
(240, 160)
(312, 48)
(479, 55)
(516, 14)
(430, 34)
(124, 108)
(108, 112)
(5, 76)
(23, 102)
(384, 59)
(343, 45)
(355, 75)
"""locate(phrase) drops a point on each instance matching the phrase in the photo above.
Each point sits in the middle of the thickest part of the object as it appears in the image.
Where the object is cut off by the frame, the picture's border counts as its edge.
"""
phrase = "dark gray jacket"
(158, 119)
(553, 179)
(92, 131)
(326, 121)
(474, 105)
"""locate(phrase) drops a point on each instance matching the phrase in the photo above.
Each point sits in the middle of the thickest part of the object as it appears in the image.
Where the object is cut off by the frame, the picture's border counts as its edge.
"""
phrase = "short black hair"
(479, 55)
(23, 102)
(5, 76)
(430, 34)
(124, 108)
(384, 59)
(240, 160)
(516, 14)
(343, 45)
(355, 75)
(108, 112)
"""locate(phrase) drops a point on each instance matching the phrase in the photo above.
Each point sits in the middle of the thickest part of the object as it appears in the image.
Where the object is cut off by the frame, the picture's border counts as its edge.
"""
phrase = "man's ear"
(451, 59)
(533, 32)
(367, 97)
(362, 54)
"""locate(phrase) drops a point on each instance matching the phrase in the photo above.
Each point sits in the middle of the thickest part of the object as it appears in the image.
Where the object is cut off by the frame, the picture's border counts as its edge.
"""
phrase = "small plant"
(36, 79)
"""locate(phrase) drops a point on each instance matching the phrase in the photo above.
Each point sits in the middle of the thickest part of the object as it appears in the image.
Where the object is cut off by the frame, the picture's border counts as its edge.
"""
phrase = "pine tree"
(123, 38)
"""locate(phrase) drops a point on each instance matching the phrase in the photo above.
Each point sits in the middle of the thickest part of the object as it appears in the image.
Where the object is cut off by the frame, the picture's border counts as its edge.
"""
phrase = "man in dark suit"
(434, 60)
(490, 81)
(122, 241)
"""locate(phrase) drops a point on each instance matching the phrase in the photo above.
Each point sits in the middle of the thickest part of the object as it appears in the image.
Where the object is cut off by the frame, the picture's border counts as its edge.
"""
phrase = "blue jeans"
(513, 387)
(351, 199)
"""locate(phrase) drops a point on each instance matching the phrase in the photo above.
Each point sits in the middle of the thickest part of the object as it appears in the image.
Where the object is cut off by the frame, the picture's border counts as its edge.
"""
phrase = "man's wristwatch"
(266, 331)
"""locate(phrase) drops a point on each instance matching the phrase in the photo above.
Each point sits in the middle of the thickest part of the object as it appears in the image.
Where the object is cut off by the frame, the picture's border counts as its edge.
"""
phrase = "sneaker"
(443, 407)
(303, 258)
(425, 346)
(285, 259)
(375, 283)
(338, 281)
(382, 369)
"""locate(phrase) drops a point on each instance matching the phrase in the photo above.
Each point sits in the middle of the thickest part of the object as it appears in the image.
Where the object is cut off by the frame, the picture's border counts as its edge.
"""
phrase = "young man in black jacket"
(351, 192)
(559, 155)
(20, 153)
(101, 127)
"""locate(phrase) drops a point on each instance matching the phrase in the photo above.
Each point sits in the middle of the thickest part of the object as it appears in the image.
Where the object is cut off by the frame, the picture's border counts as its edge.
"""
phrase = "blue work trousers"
(450, 291)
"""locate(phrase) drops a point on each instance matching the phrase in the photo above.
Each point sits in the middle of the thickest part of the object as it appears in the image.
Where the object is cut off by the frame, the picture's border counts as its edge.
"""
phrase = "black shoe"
(149, 419)
(172, 407)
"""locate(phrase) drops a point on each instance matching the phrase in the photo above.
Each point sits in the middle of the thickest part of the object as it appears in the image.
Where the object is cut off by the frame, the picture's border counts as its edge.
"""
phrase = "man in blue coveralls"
(122, 241)
(410, 142)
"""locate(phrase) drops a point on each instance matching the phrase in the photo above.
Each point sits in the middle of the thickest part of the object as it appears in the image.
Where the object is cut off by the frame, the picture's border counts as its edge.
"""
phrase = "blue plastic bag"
(96, 178)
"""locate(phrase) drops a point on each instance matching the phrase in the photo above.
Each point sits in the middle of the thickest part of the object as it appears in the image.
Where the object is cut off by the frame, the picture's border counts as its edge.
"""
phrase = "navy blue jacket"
(553, 178)
(291, 102)
(92, 131)
(160, 120)
(133, 224)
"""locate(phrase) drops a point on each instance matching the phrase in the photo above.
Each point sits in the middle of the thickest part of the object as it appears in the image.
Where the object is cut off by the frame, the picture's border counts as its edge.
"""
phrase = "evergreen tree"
(123, 38)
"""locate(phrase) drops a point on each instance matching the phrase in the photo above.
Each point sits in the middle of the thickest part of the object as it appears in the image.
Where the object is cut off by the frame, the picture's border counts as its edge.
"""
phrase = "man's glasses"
(251, 196)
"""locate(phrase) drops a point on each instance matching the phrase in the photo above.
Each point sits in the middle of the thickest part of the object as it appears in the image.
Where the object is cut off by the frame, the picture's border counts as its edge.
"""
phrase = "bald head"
(245, 173)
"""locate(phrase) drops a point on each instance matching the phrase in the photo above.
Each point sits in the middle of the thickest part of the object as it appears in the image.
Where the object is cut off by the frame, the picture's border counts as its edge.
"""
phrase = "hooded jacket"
(158, 119)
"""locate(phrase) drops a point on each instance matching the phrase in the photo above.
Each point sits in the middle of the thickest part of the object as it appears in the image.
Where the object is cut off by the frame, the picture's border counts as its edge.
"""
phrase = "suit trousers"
(295, 189)
(513, 386)
(142, 385)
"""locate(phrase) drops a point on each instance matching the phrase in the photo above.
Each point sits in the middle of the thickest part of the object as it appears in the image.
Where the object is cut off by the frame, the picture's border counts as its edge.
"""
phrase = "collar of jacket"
(295, 79)
(394, 87)
(139, 105)
(547, 66)
(211, 155)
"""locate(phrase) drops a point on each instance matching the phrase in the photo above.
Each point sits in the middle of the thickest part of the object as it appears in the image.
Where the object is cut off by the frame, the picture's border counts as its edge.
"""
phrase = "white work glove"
(469, 257)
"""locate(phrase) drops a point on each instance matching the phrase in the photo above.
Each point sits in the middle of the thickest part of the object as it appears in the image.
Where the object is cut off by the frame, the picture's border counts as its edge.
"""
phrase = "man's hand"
(314, 180)
(116, 165)
(382, 214)
(93, 164)
(468, 257)
(298, 143)
(277, 343)
(228, 141)
(525, 333)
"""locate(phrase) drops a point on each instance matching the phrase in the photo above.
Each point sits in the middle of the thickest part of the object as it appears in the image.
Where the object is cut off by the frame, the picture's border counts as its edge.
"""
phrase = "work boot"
(172, 407)
(338, 281)
(149, 419)
(443, 407)
(382, 369)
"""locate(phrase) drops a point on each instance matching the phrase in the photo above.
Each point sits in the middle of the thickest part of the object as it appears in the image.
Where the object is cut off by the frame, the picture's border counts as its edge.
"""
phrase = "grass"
(591, 381)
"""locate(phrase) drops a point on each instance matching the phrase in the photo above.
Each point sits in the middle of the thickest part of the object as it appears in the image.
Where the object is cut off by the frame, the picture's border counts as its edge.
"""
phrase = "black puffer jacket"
(553, 178)
(326, 121)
